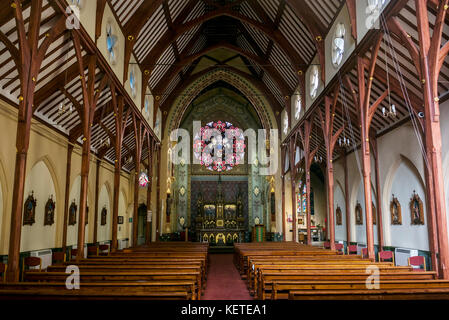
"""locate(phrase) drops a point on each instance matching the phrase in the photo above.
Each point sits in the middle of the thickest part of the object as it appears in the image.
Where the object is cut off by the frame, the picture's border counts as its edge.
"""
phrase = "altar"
(220, 223)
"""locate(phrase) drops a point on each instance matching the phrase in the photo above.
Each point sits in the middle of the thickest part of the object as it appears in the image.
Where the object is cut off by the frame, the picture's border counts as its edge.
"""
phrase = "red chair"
(386, 255)
(3, 268)
(103, 249)
(92, 251)
(339, 247)
(58, 257)
(327, 245)
(352, 249)
(418, 263)
(31, 262)
(364, 253)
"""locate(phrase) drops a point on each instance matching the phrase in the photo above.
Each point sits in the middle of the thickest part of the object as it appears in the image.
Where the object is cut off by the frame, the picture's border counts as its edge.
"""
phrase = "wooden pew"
(268, 278)
(102, 290)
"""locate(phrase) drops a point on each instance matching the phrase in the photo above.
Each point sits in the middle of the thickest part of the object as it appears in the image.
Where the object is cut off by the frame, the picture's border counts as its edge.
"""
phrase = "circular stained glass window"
(219, 146)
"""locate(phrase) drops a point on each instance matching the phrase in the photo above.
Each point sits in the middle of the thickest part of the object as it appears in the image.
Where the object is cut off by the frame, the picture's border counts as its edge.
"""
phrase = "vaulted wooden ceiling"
(171, 37)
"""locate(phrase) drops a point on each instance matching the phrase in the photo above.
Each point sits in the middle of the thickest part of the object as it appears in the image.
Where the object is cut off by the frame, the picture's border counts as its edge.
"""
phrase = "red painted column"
(66, 196)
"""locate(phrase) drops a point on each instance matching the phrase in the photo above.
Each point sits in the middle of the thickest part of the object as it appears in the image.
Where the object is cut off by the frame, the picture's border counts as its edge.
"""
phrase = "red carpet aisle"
(223, 281)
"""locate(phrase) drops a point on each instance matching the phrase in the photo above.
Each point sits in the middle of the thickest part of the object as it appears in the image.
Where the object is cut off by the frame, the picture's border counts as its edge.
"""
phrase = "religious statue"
(416, 209)
(338, 216)
(104, 213)
(374, 213)
(49, 218)
(358, 214)
(72, 214)
(395, 211)
(29, 210)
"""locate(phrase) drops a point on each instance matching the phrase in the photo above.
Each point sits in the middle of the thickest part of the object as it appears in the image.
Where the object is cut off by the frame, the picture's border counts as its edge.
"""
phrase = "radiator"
(122, 244)
(46, 258)
(401, 256)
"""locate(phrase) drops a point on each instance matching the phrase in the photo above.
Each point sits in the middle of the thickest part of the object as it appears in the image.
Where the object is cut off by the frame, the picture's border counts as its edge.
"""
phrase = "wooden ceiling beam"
(272, 71)
(169, 37)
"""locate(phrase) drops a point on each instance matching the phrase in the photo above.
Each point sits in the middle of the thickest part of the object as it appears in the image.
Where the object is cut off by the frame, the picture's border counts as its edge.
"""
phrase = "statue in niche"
(358, 214)
(104, 214)
(416, 210)
(395, 210)
(29, 210)
(72, 213)
(338, 216)
(49, 218)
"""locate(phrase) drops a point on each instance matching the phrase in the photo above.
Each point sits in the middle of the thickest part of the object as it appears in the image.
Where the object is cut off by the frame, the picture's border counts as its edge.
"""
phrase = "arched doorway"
(141, 224)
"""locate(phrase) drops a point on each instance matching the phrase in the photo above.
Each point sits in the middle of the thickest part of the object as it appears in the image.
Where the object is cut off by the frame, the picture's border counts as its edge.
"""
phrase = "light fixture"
(391, 112)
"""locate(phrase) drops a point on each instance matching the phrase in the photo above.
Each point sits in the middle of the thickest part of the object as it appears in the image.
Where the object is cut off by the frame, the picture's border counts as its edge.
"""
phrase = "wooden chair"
(92, 251)
(339, 247)
(301, 238)
(418, 263)
(103, 250)
(386, 255)
(58, 257)
(327, 245)
(352, 249)
(3, 268)
(364, 252)
(31, 262)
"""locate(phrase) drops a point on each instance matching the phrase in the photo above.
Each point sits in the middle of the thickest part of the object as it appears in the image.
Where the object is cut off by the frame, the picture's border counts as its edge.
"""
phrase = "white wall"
(104, 232)
(339, 201)
(401, 171)
(38, 236)
(407, 235)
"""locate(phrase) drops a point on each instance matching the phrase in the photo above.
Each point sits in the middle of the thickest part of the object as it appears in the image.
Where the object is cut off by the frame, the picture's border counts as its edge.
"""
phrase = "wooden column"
(139, 134)
(308, 158)
(347, 204)
(292, 153)
(67, 195)
(284, 225)
(97, 182)
(28, 59)
(158, 191)
(150, 174)
(365, 114)
(428, 56)
(330, 139)
(120, 122)
(90, 98)
(431, 58)
(380, 230)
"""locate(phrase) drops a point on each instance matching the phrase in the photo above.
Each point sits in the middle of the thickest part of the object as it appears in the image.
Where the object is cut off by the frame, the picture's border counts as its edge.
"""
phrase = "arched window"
(111, 42)
(298, 105)
(285, 129)
(314, 81)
